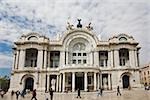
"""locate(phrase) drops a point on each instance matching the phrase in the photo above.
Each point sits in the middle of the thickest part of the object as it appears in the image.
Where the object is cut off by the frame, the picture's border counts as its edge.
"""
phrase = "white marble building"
(78, 59)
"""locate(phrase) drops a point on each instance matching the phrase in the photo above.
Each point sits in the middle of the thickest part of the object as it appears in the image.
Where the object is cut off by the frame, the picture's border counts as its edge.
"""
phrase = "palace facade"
(78, 59)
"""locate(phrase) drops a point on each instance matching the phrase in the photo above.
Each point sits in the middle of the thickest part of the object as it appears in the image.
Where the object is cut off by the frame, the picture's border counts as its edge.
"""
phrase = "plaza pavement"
(138, 94)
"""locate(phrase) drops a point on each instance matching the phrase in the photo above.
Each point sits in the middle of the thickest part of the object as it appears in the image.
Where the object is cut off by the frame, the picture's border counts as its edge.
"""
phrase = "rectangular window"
(102, 63)
(84, 61)
(74, 54)
(84, 54)
(74, 61)
(79, 54)
(79, 61)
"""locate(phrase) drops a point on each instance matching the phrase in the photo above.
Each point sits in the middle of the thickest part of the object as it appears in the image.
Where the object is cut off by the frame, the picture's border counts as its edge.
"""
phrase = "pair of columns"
(19, 59)
(48, 83)
(133, 58)
(108, 79)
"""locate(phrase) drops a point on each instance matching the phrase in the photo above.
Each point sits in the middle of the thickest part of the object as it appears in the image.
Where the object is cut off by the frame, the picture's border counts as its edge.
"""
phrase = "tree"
(4, 83)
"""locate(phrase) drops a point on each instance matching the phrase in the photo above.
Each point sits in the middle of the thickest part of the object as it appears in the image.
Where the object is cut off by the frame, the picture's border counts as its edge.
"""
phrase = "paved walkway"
(108, 95)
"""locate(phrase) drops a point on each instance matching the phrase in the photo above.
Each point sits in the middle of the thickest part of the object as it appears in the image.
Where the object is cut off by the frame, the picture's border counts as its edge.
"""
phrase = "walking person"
(118, 91)
(23, 93)
(79, 93)
(51, 93)
(12, 94)
(17, 94)
(34, 94)
(100, 92)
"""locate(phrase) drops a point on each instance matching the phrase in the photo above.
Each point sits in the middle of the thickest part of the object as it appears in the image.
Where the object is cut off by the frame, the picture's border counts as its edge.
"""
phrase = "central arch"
(126, 81)
(29, 83)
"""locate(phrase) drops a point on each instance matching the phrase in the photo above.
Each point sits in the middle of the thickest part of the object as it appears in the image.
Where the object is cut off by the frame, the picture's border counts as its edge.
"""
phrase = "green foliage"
(4, 83)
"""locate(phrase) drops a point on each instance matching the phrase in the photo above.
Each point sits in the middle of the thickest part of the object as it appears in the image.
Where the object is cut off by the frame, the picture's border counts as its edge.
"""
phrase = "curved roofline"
(120, 35)
(62, 39)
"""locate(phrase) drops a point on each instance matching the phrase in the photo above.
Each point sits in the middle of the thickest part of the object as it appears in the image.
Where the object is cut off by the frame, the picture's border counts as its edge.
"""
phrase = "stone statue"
(79, 25)
(89, 27)
(69, 26)
(53, 82)
(105, 81)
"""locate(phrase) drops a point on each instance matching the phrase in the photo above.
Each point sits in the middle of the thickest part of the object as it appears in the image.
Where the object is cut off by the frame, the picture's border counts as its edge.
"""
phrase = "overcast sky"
(49, 17)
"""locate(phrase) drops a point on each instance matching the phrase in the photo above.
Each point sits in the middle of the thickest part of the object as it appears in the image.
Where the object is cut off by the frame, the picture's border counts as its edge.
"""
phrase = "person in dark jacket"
(34, 94)
(51, 93)
(118, 91)
(79, 93)
(17, 94)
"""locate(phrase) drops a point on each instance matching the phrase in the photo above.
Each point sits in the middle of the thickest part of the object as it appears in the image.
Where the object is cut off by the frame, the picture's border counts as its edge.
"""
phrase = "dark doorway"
(79, 81)
(29, 83)
(125, 81)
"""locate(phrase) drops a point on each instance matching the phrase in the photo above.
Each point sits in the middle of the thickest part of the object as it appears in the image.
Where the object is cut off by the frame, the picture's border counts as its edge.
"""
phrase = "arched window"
(122, 39)
(79, 54)
(32, 38)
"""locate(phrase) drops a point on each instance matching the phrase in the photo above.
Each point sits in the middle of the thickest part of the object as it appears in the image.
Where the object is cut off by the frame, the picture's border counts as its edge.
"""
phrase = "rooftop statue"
(69, 26)
(89, 27)
(79, 25)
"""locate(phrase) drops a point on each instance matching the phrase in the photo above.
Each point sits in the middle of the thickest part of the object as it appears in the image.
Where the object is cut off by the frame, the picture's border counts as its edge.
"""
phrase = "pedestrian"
(100, 92)
(17, 94)
(51, 93)
(34, 94)
(79, 93)
(23, 93)
(12, 93)
(118, 91)
(2, 93)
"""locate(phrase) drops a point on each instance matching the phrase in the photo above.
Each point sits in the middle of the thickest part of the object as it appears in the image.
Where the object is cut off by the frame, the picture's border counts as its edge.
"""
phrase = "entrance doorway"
(52, 82)
(125, 81)
(79, 81)
(29, 83)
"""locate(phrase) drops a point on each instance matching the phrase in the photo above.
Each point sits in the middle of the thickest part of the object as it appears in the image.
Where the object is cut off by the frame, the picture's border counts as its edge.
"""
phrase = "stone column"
(60, 82)
(57, 84)
(116, 57)
(109, 84)
(109, 59)
(98, 81)
(85, 81)
(62, 58)
(131, 58)
(67, 57)
(45, 58)
(136, 61)
(48, 82)
(48, 60)
(96, 58)
(14, 60)
(91, 58)
(94, 81)
(21, 59)
(17, 59)
(73, 81)
(63, 82)
(88, 58)
(112, 58)
(101, 80)
(40, 59)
